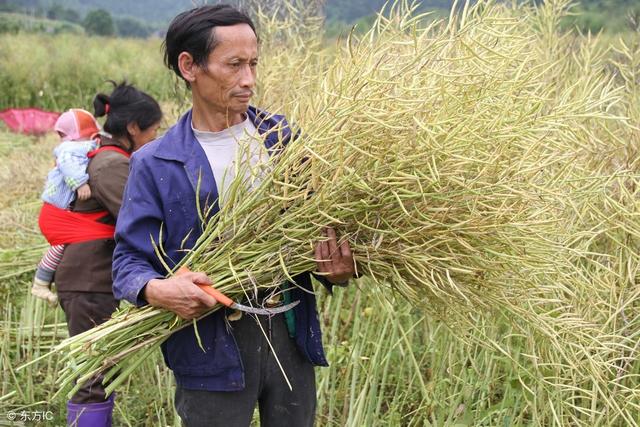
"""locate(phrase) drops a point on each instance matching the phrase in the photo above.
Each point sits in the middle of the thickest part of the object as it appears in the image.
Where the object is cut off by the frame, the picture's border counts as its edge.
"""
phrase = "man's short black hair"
(191, 32)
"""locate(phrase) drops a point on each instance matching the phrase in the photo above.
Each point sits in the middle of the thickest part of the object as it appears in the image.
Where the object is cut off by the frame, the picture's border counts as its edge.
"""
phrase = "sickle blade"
(264, 311)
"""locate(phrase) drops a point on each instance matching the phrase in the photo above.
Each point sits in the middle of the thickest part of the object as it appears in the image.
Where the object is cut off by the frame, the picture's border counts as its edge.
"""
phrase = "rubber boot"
(90, 414)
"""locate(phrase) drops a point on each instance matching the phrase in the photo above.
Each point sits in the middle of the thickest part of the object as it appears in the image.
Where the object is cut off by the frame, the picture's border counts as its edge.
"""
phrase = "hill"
(161, 11)
(17, 22)
(612, 15)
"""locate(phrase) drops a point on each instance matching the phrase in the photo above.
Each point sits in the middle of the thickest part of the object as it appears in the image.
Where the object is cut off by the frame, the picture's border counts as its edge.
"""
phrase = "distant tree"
(7, 6)
(131, 27)
(351, 10)
(591, 21)
(55, 12)
(99, 22)
(61, 13)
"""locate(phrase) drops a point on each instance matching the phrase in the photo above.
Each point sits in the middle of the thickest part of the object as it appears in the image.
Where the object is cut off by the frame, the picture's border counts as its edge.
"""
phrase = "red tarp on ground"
(30, 121)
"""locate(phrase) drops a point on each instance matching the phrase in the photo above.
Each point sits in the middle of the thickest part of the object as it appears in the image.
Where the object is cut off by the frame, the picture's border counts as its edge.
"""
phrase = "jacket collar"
(106, 140)
(180, 144)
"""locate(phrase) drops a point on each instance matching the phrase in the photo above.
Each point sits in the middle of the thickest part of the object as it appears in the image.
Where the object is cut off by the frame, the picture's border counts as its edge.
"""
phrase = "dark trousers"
(265, 384)
(83, 311)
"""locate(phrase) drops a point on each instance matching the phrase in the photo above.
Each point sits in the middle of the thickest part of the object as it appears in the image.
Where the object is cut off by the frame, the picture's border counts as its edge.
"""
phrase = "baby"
(77, 129)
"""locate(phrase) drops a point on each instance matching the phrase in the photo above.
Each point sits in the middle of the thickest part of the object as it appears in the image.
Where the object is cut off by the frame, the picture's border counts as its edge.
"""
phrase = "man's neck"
(214, 121)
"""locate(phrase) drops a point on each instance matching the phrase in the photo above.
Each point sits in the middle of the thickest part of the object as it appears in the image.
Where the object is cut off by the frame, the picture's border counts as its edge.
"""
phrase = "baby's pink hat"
(76, 124)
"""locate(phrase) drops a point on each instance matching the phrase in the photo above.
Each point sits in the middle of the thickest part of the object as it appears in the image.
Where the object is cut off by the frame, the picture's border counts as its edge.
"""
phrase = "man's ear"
(187, 66)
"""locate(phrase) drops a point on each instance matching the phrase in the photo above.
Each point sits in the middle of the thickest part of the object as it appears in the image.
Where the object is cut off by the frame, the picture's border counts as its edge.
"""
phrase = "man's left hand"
(335, 262)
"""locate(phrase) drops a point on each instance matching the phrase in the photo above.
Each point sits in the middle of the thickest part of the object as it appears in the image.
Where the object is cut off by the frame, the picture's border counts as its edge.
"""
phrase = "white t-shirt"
(224, 149)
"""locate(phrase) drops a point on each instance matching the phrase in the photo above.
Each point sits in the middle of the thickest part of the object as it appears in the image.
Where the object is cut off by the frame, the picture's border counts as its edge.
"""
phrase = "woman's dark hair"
(124, 106)
(192, 32)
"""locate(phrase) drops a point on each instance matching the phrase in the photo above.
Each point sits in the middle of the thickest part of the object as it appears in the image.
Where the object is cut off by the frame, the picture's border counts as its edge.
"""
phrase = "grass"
(80, 68)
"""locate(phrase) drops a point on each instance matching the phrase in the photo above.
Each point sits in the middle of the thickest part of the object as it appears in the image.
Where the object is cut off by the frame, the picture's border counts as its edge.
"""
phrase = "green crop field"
(563, 349)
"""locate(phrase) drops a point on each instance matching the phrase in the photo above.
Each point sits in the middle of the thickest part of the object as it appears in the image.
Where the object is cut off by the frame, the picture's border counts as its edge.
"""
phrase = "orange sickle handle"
(219, 296)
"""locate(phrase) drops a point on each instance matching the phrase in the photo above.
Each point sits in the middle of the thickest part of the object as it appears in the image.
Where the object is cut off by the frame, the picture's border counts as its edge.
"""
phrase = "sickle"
(228, 302)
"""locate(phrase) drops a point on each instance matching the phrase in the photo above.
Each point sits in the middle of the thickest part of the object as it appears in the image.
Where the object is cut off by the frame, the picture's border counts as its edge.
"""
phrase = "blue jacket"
(161, 192)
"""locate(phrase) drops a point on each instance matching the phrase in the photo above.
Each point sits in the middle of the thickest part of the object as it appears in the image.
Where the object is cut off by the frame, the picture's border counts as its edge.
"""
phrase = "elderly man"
(214, 49)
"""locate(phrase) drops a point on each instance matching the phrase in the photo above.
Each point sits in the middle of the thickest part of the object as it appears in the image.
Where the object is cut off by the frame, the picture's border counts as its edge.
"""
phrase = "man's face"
(227, 82)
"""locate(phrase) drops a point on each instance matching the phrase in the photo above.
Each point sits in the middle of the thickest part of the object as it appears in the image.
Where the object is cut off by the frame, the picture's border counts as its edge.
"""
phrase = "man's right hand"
(181, 294)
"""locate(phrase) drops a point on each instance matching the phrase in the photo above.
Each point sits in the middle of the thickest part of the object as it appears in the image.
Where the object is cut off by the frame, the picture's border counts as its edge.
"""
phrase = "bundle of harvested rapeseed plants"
(432, 148)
